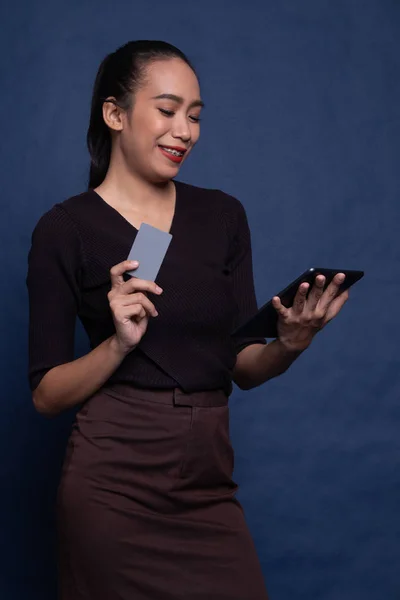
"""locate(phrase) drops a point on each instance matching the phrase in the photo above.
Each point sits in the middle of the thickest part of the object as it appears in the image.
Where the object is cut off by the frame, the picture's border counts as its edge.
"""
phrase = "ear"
(113, 114)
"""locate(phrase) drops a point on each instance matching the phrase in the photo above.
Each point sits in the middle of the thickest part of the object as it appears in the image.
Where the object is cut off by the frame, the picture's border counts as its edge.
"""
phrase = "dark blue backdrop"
(302, 124)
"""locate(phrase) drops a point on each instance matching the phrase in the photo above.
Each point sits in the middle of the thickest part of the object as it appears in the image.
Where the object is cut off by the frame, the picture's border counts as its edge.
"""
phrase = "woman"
(146, 504)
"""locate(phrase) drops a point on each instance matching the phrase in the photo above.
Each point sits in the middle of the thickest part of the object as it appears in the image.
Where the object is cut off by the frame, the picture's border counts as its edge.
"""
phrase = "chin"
(164, 175)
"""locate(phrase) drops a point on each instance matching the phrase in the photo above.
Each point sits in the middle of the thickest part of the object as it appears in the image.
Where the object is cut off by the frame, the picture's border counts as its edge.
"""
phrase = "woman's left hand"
(298, 324)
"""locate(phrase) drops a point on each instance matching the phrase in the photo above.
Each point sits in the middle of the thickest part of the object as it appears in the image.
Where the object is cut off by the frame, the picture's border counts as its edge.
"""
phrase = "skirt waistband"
(175, 396)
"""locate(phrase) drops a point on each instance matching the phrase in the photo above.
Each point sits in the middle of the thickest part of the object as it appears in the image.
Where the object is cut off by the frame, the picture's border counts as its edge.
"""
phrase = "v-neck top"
(206, 276)
(118, 215)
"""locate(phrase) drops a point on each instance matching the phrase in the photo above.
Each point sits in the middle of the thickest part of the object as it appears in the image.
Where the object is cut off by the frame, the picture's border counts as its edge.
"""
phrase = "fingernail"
(134, 263)
(158, 289)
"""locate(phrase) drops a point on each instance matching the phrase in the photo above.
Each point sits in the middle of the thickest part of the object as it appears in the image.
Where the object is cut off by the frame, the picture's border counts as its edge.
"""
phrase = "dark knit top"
(206, 276)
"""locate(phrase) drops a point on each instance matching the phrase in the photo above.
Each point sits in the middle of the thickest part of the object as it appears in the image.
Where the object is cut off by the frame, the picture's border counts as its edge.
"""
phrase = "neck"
(129, 189)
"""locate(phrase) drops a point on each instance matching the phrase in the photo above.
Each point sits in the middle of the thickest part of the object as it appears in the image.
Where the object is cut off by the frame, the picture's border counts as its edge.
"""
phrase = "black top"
(206, 276)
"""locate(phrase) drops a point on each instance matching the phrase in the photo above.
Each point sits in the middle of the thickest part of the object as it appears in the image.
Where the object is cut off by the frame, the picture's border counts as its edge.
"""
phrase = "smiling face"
(160, 130)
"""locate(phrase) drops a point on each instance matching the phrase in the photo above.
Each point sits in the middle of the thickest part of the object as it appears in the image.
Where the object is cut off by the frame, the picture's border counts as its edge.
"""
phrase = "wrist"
(291, 348)
(118, 349)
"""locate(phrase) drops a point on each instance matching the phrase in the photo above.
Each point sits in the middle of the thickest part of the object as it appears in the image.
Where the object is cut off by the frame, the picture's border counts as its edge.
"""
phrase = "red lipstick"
(176, 158)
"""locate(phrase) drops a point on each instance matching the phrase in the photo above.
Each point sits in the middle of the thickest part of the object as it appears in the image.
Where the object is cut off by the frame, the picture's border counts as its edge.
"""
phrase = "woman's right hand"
(131, 308)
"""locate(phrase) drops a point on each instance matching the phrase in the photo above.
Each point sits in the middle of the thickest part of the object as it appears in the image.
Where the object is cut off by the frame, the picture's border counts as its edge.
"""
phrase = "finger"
(124, 314)
(300, 298)
(332, 290)
(316, 292)
(138, 298)
(135, 284)
(117, 271)
(280, 309)
(136, 311)
(336, 306)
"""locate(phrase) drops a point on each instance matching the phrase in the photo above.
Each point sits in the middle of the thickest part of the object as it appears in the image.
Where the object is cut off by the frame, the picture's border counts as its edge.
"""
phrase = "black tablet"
(264, 322)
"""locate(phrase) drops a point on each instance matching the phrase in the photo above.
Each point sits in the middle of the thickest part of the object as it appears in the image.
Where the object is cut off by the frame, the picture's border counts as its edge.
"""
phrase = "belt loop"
(183, 399)
(175, 396)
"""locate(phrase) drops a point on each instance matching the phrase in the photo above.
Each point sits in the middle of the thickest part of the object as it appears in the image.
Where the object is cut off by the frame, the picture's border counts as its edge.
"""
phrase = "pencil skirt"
(146, 506)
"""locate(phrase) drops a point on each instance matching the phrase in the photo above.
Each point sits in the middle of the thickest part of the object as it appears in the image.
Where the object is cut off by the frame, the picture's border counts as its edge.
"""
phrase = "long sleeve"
(241, 266)
(53, 281)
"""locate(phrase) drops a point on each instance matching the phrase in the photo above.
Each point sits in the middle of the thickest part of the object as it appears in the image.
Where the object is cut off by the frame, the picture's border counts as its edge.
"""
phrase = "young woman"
(146, 504)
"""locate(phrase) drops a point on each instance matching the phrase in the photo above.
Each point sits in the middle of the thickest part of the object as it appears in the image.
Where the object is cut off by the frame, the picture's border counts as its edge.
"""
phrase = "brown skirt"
(146, 503)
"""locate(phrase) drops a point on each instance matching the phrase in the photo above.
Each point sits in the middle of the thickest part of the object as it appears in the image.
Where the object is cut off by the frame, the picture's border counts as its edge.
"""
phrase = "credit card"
(149, 249)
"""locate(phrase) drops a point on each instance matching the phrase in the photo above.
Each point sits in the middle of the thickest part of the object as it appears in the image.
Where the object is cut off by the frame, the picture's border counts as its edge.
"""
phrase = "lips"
(173, 153)
(177, 148)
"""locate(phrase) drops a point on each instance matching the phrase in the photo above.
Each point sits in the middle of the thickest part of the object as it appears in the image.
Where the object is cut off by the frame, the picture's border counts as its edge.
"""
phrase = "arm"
(54, 285)
(70, 384)
(240, 267)
(297, 327)
(258, 363)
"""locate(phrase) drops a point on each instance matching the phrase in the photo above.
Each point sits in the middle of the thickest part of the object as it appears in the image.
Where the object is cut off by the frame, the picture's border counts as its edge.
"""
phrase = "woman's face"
(163, 125)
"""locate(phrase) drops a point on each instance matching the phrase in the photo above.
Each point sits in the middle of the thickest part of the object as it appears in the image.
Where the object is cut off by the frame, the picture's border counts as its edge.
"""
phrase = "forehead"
(171, 76)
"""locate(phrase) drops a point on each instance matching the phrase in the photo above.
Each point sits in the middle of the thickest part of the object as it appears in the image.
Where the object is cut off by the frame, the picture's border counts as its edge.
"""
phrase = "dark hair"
(119, 75)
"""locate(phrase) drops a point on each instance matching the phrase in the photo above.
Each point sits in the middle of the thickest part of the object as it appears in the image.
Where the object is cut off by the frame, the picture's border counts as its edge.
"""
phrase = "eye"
(170, 113)
(167, 113)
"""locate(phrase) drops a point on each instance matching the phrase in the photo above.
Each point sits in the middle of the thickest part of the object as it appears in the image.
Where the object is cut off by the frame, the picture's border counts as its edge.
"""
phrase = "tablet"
(264, 322)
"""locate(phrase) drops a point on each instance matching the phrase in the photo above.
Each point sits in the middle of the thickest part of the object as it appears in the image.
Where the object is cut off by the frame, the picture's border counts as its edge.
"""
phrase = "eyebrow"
(178, 99)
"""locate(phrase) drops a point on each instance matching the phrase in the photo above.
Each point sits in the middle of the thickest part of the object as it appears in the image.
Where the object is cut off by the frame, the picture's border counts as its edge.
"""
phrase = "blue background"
(302, 124)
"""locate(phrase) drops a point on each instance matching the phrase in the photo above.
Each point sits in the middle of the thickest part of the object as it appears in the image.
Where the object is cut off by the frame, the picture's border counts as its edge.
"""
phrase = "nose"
(181, 129)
